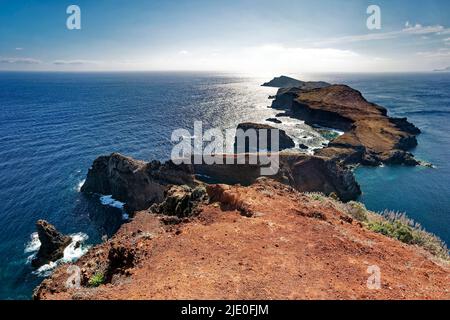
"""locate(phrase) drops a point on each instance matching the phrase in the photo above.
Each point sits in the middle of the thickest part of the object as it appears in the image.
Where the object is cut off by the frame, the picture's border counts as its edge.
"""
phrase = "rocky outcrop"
(303, 172)
(370, 138)
(284, 141)
(138, 184)
(288, 82)
(52, 246)
(181, 201)
(265, 241)
(274, 120)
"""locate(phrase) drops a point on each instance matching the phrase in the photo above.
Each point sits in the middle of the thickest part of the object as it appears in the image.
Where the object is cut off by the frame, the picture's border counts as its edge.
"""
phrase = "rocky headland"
(288, 82)
(222, 231)
(370, 136)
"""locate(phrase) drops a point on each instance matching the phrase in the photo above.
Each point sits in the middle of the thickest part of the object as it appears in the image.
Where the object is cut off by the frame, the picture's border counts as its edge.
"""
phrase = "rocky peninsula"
(224, 232)
(370, 136)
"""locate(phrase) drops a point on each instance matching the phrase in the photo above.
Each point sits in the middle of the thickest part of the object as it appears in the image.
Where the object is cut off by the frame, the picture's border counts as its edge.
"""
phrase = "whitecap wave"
(34, 244)
(76, 248)
(46, 269)
(110, 201)
(79, 185)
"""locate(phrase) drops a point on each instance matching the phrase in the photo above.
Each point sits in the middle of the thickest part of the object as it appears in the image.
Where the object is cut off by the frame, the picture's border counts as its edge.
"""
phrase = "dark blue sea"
(53, 125)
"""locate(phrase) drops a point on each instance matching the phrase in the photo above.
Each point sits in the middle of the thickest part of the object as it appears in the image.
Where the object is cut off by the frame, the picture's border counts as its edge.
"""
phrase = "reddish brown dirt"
(291, 247)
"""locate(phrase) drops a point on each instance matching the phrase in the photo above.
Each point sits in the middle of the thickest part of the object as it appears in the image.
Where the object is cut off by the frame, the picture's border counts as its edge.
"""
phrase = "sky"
(247, 36)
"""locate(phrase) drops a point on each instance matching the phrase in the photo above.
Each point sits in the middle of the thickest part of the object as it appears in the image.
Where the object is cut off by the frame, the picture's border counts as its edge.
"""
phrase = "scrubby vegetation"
(391, 224)
(398, 226)
(317, 196)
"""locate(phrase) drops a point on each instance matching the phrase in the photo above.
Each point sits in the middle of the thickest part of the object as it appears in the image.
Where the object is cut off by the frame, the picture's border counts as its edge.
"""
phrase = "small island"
(442, 70)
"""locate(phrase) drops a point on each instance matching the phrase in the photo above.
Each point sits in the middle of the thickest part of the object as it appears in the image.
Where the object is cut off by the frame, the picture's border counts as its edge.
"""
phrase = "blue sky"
(254, 36)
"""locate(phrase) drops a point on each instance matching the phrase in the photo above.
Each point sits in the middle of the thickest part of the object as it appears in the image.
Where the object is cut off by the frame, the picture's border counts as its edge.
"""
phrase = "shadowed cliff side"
(138, 184)
(303, 172)
(141, 184)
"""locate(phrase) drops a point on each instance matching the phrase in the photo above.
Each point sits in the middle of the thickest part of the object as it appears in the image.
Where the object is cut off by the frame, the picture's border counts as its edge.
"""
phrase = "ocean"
(53, 125)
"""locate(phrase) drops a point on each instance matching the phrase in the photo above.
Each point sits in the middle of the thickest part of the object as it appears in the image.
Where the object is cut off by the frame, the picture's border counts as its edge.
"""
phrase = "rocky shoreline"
(294, 218)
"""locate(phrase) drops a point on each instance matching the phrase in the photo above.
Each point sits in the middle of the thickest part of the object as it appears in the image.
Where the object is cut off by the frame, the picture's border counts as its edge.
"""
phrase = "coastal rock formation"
(303, 172)
(181, 201)
(141, 184)
(138, 184)
(285, 142)
(52, 246)
(288, 82)
(264, 241)
(370, 138)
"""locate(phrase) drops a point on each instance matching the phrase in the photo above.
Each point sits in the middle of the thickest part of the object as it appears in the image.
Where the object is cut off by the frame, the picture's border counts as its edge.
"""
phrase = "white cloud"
(19, 49)
(183, 52)
(409, 30)
(419, 29)
(74, 62)
(438, 53)
(19, 60)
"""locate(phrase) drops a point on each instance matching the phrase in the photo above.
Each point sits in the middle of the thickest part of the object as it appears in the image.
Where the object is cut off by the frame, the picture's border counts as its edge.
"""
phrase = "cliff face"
(370, 138)
(141, 184)
(265, 241)
(303, 172)
(137, 183)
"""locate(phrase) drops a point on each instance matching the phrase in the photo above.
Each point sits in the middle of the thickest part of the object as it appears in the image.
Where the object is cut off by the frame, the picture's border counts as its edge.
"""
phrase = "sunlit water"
(53, 125)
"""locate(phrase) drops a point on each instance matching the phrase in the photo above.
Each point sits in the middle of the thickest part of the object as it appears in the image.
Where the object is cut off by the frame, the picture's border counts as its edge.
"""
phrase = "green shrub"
(96, 280)
(393, 230)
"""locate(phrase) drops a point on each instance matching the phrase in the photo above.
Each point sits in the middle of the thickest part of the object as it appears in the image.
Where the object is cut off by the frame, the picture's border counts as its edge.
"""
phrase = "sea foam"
(34, 244)
(79, 185)
(110, 201)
